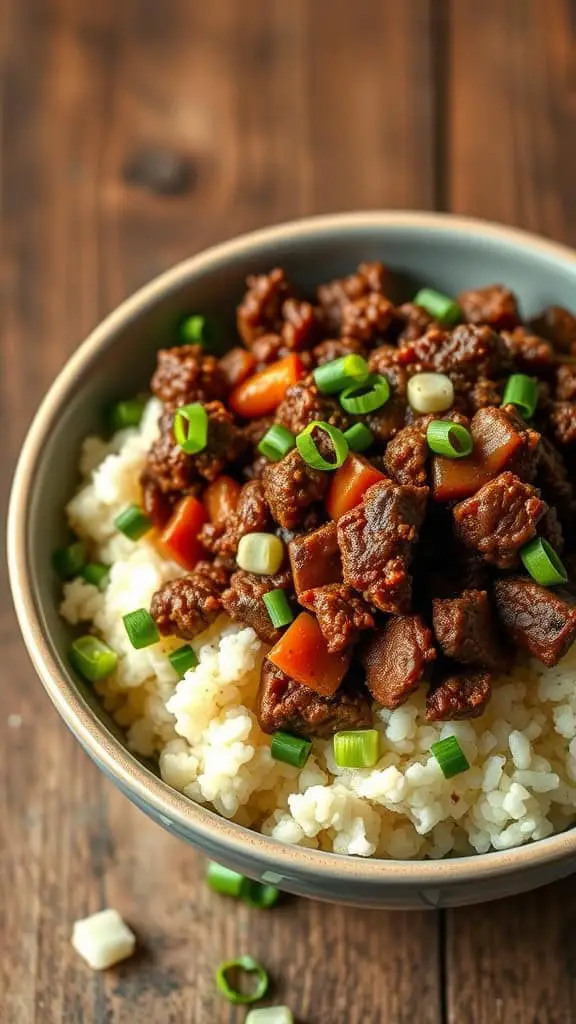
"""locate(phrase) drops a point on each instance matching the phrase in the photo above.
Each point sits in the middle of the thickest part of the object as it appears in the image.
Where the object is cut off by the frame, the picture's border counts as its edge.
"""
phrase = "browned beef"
(225, 444)
(252, 515)
(384, 359)
(167, 467)
(300, 325)
(291, 486)
(540, 620)
(407, 455)
(387, 421)
(500, 519)
(376, 540)
(468, 349)
(370, 277)
(267, 348)
(184, 607)
(395, 659)
(550, 528)
(484, 392)
(260, 311)
(563, 423)
(555, 483)
(566, 382)
(186, 374)
(341, 613)
(558, 326)
(414, 321)
(157, 505)
(315, 559)
(284, 704)
(243, 600)
(528, 352)
(467, 631)
(314, 517)
(524, 460)
(367, 318)
(334, 348)
(494, 305)
(303, 403)
(460, 695)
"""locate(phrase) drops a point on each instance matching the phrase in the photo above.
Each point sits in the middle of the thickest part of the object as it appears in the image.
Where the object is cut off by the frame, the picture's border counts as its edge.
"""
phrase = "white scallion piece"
(430, 392)
(261, 553)
(270, 1015)
(103, 939)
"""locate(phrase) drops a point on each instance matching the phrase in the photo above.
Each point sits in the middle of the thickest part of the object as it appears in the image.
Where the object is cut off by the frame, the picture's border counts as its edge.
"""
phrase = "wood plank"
(100, 102)
(512, 134)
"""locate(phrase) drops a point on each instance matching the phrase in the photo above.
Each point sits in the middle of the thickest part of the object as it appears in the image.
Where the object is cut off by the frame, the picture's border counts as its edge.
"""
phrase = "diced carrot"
(179, 538)
(302, 654)
(260, 394)
(236, 365)
(496, 441)
(349, 484)
(220, 499)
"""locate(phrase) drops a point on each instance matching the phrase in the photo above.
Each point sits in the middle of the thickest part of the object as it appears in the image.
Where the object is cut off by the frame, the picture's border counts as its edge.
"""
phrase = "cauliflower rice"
(521, 784)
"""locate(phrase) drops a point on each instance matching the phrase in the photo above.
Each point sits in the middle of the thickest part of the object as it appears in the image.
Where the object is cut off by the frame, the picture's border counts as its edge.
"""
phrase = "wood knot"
(160, 171)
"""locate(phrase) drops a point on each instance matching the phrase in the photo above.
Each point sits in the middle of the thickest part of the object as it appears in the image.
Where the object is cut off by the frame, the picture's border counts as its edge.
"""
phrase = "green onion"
(183, 659)
(70, 561)
(191, 428)
(127, 413)
(93, 658)
(261, 553)
(223, 880)
(521, 391)
(96, 573)
(357, 748)
(332, 377)
(367, 397)
(270, 1015)
(248, 965)
(196, 330)
(258, 895)
(278, 608)
(441, 307)
(290, 749)
(133, 522)
(359, 437)
(277, 442)
(542, 562)
(449, 439)
(307, 446)
(141, 628)
(449, 755)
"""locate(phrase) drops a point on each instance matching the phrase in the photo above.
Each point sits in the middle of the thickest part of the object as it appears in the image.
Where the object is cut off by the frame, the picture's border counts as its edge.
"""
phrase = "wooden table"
(136, 132)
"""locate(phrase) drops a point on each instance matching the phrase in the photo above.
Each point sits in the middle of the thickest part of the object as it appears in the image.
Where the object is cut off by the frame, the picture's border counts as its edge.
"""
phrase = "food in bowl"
(323, 575)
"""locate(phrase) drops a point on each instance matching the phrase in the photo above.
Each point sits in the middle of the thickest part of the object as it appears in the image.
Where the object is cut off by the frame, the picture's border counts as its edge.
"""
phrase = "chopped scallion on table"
(223, 880)
(449, 439)
(356, 748)
(291, 749)
(449, 755)
(141, 628)
(258, 895)
(191, 428)
(70, 561)
(127, 413)
(359, 437)
(276, 442)
(92, 658)
(308, 449)
(332, 377)
(522, 392)
(366, 397)
(278, 608)
(242, 965)
(441, 307)
(196, 329)
(133, 523)
(96, 573)
(270, 1015)
(541, 561)
(183, 659)
(261, 553)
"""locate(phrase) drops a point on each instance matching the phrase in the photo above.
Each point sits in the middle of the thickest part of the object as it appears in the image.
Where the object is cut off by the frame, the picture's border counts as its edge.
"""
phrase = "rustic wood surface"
(135, 132)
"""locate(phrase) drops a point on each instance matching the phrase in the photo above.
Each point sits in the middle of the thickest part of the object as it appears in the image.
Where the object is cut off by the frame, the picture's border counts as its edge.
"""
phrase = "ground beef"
(243, 600)
(391, 417)
(566, 383)
(157, 505)
(367, 318)
(563, 423)
(500, 519)
(314, 517)
(225, 444)
(288, 706)
(467, 631)
(315, 559)
(291, 486)
(303, 403)
(554, 481)
(528, 352)
(300, 325)
(252, 515)
(540, 620)
(414, 321)
(186, 374)
(406, 456)
(341, 613)
(483, 393)
(267, 349)
(184, 607)
(260, 311)
(334, 348)
(470, 350)
(460, 695)
(558, 326)
(376, 540)
(384, 360)
(331, 297)
(236, 365)
(168, 468)
(395, 659)
(494, 305)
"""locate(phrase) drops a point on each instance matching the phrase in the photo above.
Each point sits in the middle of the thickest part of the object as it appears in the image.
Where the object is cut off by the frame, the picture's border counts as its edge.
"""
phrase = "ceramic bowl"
(448, 253)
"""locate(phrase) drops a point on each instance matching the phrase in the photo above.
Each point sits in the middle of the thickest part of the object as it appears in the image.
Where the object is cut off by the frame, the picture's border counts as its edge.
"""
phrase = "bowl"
(448, 253)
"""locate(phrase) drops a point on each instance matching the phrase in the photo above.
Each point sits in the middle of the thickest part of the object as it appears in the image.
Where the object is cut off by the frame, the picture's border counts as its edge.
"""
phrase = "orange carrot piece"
(349, 483)
(179, 538)
(302, 654)
(220, 499)
(260, 394)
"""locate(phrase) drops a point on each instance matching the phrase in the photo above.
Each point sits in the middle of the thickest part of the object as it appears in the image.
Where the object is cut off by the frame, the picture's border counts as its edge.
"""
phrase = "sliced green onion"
(291, 749)
(141, 628)
(96, 573)
(449, 755)
(332, 377)
(133, 522)
(191, 428)
(367, 397)
(449, 439)
(258, 895)
(278, 608)
(270, 1015)
(359, 437)
(306, 445)
(277, 442)
(542, 562)
(248, 965)
(183, 659)
(127, 413)
(441, 307)
(70, 561)
(357, 748)
(196, 329)
(521, 391)
(92, 658)
(261, 553)
(223, 880)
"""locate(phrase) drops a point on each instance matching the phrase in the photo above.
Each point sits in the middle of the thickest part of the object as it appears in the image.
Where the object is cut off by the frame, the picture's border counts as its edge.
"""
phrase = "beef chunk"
(157, 505)
(460, 695)
(170, 469)
(376, 540)
(303, 403)
(483, 393)
(553, 479)
(414, 320)
(300, 325)
(558, 326)
(184, 607)
(494, 305)
(267, 349)
(566, 383)
(341, 613)
(367, 318)
(313, 517)
(315, 559)
(527, 351)
(333, 296)
(500, 519)
(225, 442)
(469, 350)
(540, 620)
(563, 423)
(466, 630)
(395, 659)
(291, 486)
(243, 600)
(186, 374)
(334, 348)
(391, 417)
(284, 704)
(236, 365)
(251, 516)
(406, 456)
(551, 529)
(260, 311)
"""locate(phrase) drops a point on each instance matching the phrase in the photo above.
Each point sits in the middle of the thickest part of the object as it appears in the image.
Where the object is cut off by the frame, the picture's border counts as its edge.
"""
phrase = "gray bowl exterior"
(449, 254)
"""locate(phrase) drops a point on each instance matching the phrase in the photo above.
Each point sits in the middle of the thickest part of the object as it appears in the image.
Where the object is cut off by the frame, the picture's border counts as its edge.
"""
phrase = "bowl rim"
(172, 808)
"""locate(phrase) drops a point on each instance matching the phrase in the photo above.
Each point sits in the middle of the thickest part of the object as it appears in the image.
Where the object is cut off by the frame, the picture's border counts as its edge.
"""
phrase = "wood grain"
(134, 134)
